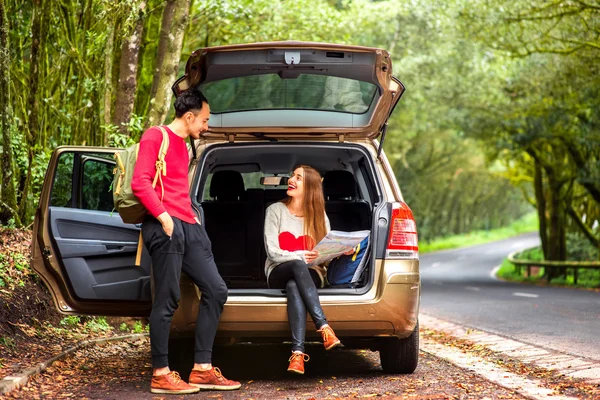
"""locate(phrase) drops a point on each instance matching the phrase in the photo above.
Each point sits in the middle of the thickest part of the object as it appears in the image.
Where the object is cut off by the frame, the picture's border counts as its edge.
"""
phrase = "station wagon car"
(273, 106)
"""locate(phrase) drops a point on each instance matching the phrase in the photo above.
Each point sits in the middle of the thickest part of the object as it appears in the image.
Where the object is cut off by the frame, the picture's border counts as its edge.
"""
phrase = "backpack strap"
(161, 164)
(161, 170)
(120, 169)
(138, 254)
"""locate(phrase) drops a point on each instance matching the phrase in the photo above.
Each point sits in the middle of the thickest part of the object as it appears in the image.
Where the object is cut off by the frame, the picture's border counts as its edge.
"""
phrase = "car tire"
(400, 356)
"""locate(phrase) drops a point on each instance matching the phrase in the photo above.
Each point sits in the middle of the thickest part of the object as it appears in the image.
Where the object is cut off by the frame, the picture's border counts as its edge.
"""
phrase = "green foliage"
(63, 186)
(14, 269)
(70, 321)
(580, 249)
(97, 178)
(464, 142)
(4, 277)
(538, 111)
(510, 272)
(70, 81)
(7, 342)
(524, 28)
(138, 327)
(527, 223)
(98, 324)
(92, 324)
(134, 127)
(587, 278)
(21, 263)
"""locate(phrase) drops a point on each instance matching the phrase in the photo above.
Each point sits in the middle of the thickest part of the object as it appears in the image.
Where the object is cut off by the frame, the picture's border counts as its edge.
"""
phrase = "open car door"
(81, 248)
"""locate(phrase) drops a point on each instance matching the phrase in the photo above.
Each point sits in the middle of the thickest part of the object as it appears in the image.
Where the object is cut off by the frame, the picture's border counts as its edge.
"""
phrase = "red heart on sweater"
(289, 242)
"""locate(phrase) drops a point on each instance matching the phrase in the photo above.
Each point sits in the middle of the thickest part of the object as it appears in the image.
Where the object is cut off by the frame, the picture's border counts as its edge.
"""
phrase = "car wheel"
(400, 356)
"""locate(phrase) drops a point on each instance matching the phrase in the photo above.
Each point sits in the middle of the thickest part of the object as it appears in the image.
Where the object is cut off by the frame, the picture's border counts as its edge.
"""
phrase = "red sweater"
(176, 200)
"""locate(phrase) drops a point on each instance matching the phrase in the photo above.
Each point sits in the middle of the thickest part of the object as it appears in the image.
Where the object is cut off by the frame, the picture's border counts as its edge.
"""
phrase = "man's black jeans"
(302, 296)
(187, 249)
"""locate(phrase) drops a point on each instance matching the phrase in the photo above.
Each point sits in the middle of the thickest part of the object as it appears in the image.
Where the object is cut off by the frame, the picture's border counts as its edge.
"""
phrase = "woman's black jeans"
(299, 282)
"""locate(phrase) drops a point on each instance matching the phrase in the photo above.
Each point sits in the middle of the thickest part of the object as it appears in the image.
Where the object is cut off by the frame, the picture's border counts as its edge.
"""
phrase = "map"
(336, 243)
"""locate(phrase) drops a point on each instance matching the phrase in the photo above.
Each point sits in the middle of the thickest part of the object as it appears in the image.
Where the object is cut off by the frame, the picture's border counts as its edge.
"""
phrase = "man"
(177, 241)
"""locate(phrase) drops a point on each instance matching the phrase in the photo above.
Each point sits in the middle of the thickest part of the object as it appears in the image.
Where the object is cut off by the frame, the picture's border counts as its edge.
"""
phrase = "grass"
(87, 324)
(98, 324)
(138, 327)
(587, 278)
(527, 223)
(7, 342)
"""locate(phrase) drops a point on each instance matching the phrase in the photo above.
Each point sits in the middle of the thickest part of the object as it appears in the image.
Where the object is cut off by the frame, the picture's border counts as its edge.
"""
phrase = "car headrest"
(227, 185)
(339, 185)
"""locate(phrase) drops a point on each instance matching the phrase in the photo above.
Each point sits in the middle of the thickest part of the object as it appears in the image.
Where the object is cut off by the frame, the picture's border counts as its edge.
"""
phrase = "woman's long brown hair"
(314, 205)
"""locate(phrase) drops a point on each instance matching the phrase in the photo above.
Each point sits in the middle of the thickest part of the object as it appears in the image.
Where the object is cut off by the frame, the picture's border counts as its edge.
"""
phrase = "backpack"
(129, 207)
(348, 269)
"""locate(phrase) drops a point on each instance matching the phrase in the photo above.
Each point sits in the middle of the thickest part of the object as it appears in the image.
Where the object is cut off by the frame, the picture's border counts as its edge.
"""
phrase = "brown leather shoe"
(212, 379)
(297, 362)
(171, 383)
(329, 339)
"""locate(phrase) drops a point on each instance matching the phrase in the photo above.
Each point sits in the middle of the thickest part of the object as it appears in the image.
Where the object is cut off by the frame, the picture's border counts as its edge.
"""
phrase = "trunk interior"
(235, 183)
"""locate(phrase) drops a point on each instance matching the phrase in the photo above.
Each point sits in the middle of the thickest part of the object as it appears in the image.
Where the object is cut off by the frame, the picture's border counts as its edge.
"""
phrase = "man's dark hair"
(190, 100)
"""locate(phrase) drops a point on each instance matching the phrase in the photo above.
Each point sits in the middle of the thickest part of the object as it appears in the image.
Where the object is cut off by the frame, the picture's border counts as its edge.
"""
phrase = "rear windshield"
(252, 180)
(305, 92)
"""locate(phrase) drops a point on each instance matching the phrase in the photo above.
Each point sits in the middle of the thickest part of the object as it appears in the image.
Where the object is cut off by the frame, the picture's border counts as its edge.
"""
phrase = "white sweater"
(284, 236)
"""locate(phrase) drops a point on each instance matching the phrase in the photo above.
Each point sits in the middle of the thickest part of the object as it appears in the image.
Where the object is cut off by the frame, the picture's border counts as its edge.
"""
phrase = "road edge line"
(494, 274)
(19, 379)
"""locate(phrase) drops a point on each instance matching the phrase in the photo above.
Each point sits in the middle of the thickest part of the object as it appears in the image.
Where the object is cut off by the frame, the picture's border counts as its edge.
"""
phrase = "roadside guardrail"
(561, 265)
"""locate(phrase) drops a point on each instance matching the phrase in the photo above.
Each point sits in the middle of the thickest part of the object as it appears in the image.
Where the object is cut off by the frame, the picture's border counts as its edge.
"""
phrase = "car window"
(93, 171)
(62, 186)
(96, 185)
(304, 92)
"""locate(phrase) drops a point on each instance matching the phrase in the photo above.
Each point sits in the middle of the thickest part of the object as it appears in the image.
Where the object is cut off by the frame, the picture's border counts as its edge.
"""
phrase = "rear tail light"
(402, 242)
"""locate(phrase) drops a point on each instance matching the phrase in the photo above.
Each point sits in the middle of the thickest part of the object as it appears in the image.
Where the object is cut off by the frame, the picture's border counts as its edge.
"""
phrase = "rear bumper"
(389, 308)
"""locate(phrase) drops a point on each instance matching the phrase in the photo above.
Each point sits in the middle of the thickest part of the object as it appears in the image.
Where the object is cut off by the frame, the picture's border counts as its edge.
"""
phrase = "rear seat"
(345, 211)
(234, 220)
(255, 214)
(226, 223)
(273, 196)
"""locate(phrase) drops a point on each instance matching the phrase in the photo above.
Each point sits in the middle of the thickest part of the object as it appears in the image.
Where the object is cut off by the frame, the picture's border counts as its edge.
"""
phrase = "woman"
(292, 228)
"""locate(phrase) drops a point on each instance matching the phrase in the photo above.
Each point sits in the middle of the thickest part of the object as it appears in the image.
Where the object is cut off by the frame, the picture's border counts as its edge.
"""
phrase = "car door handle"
(112, 248)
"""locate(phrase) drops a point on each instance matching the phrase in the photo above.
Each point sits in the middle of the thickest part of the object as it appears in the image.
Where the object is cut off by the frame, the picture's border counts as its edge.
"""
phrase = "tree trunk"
(128, 68)
(557, 234)
(174, 22)
(108, 65)
(556, 222)
(39, 27)
(8, 197)
(540, 199)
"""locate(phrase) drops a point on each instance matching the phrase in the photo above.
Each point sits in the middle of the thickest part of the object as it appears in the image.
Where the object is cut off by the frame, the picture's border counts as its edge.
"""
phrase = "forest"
(500, 118)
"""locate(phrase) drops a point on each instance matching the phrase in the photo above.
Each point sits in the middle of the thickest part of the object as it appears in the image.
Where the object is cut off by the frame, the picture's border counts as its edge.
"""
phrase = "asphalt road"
(457, 286)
